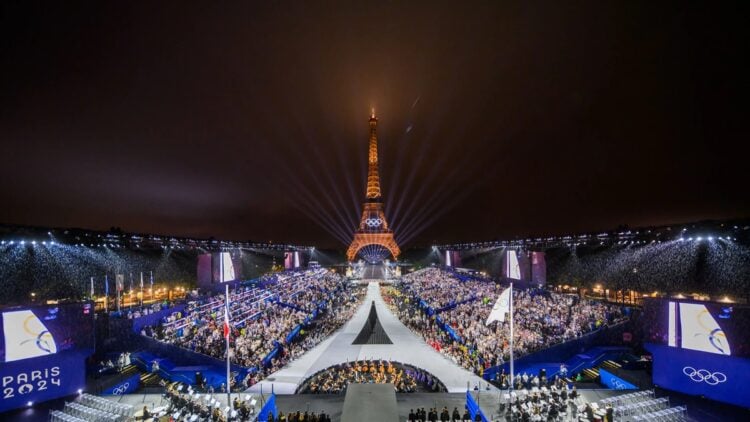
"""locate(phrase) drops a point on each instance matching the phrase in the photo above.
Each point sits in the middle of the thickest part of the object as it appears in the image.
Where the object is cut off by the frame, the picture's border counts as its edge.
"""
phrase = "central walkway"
(407, 347)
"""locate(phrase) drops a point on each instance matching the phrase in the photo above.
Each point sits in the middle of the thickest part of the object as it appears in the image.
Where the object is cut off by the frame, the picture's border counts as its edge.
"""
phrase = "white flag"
(501, 307)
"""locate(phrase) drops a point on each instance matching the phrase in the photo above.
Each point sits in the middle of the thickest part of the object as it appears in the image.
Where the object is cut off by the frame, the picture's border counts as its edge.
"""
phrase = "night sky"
(250, 122)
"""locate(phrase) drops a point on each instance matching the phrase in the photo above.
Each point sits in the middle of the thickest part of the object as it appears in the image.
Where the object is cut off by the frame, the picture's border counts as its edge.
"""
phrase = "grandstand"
(299, 338)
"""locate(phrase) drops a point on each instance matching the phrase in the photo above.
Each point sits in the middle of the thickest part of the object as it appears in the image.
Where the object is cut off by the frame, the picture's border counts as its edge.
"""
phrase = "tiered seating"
(92, 409)
(271, 323)
(541, 318)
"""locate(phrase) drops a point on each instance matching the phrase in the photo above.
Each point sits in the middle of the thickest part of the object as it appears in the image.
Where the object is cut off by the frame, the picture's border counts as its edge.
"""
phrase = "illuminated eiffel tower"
(373, 230)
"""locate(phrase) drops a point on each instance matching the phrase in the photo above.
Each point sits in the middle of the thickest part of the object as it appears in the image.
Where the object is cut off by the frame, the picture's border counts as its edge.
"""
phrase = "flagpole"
(512, 378)
(106, 293)
(141, 289)
(226, 312)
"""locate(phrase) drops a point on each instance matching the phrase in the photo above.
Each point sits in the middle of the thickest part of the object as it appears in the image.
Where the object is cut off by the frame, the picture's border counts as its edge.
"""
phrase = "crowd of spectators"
(149, 309)
(262, 317)
(405, 378)
(541, 318)
(714, 267)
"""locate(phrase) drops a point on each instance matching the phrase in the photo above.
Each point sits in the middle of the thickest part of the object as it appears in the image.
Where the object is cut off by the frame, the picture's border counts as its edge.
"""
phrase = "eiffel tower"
(373, 228)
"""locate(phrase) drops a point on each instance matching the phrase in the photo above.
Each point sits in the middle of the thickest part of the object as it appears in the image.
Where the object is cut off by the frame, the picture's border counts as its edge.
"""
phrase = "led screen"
(45, 330)
(709, 327)
(700, 331)
(43, 350)
(226, 267)
(512, 268)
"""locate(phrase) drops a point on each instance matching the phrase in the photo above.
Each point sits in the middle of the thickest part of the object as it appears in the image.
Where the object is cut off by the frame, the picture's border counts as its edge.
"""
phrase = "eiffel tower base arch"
(362, 240)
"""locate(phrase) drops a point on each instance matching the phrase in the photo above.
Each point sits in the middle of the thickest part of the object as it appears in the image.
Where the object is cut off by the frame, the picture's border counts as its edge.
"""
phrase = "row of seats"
(630, 398)
(643, 407)
(105, 405)
(673, 414)
(58, 416)
(89, 414)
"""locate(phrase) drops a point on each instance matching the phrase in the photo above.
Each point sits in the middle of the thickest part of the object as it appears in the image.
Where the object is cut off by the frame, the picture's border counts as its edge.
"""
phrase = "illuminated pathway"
(407, 347)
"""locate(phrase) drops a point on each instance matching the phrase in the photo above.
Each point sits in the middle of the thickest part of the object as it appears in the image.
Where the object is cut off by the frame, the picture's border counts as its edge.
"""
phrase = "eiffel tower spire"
(373, 228)
(373, 177)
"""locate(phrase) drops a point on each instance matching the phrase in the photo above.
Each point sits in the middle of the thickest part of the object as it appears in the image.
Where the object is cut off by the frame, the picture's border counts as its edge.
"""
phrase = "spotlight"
(33, 242)
(29, 403)
(23, 242)
(698, 238)
(710, 238)
(80, 391)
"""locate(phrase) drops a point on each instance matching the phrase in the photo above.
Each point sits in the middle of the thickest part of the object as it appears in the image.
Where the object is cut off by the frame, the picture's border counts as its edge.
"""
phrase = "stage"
(407, 348)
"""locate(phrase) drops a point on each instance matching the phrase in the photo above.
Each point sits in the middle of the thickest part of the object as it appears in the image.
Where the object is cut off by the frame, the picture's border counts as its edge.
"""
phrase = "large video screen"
(226, 267)
(30, 332)
(699, 348)
(43, 351)
(512, 267)
(709, 327)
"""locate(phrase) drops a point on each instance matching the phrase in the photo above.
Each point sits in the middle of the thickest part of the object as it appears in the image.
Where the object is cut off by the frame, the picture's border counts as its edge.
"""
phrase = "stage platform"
(370, 403)
(407, 348)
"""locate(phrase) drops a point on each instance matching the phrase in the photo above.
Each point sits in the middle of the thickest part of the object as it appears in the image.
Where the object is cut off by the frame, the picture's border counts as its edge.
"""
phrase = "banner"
(269, 408)
(43, 378)
(721, 378)
(473, 407)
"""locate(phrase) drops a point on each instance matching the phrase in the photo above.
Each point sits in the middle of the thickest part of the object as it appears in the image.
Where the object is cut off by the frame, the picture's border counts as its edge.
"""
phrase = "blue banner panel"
(270, 356)
(269, 408)
(614, 382)
(40, 379)
(293, 334)
(721, 378)
(125, 386)
(473, 407)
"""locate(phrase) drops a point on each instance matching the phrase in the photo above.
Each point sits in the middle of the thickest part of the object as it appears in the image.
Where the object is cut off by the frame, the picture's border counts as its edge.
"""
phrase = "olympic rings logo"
(44, 340)
(121, 389)
(373, 222)
(704, 375)
(619, 385)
